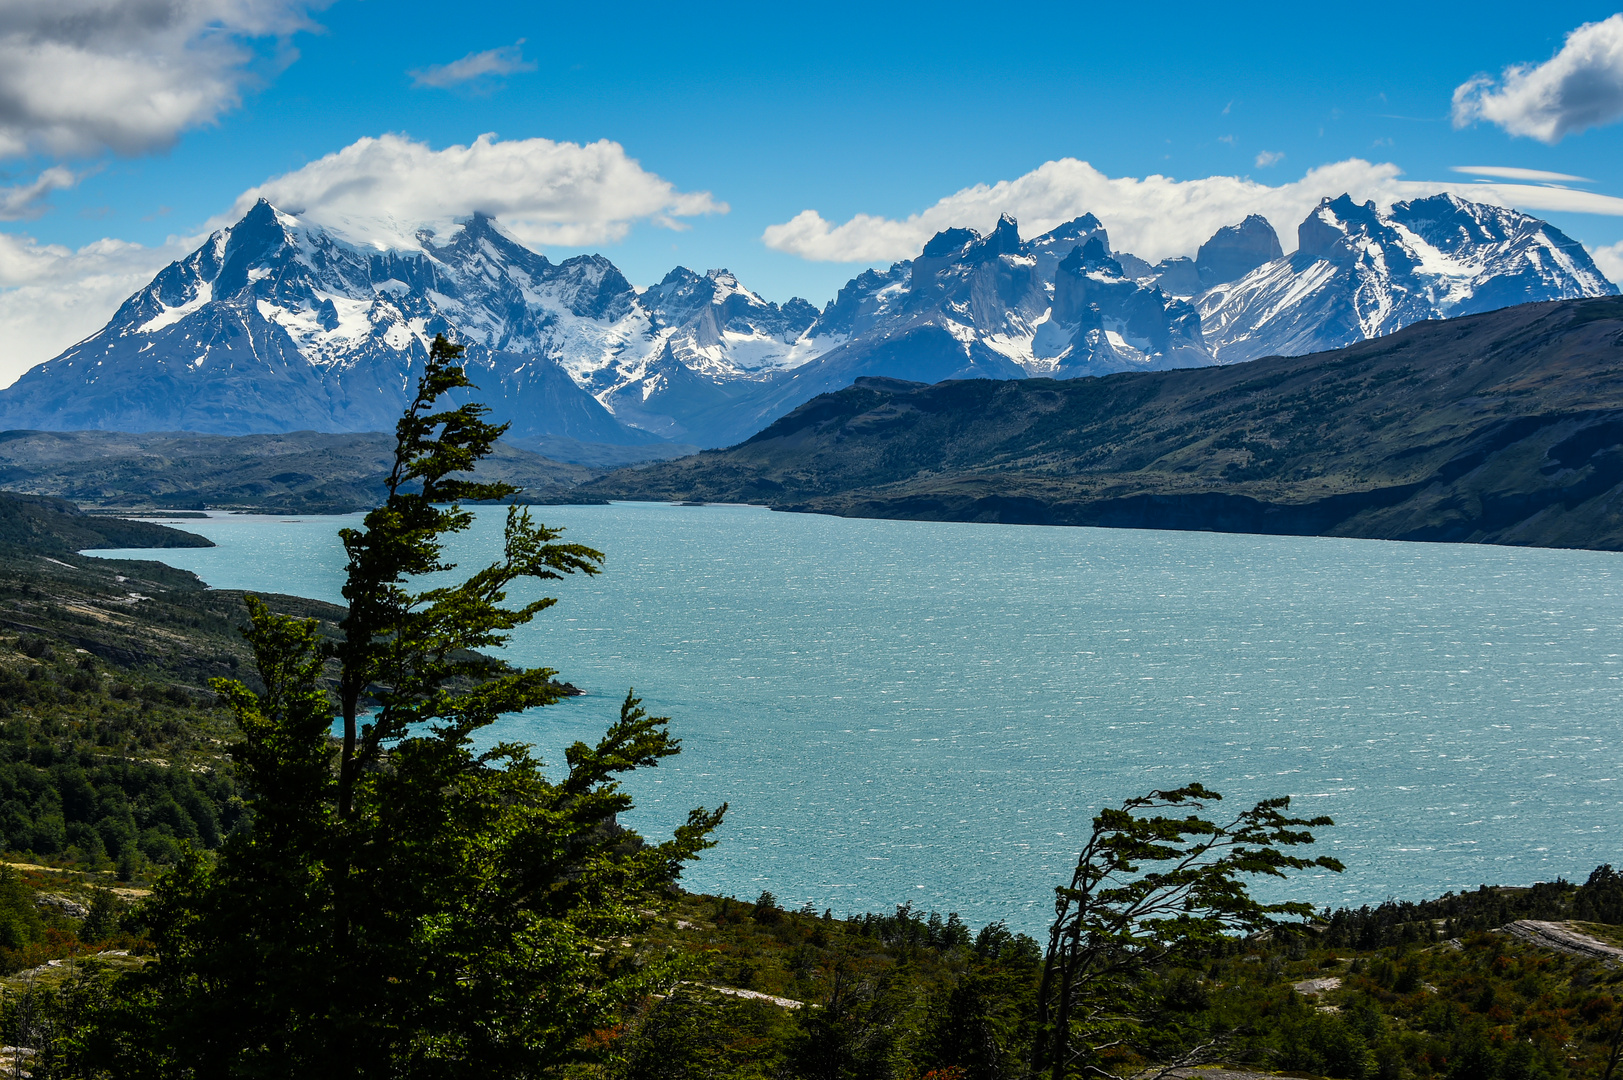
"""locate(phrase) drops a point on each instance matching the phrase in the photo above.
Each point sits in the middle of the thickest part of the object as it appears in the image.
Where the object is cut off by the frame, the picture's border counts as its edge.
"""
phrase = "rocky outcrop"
(1236, 250)
(1563, 937)
(1360, 273)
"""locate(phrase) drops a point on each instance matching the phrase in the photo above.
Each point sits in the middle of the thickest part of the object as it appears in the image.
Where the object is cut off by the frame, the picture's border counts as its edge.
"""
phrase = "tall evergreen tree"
(404, 905)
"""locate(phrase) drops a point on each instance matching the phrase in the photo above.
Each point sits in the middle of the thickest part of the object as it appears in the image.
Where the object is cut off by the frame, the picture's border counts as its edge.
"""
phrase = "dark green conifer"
(404, 905)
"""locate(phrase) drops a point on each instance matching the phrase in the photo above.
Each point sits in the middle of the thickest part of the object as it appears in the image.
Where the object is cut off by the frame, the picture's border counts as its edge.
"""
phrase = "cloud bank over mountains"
(1610, 261)
(1155, 217)
(1579, 88)
(52, 296)
(382, 191)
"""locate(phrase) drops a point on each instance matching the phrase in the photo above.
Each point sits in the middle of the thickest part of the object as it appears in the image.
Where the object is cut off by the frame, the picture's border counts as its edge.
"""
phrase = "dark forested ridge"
(1503, 428)
(41, 523)
(300, 472)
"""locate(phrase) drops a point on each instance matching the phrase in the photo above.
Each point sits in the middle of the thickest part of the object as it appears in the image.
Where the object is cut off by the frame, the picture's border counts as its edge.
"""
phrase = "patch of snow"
(171, 315)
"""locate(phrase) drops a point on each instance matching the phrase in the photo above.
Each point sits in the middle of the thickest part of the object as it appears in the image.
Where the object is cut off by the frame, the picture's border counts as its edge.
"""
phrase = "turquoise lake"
(908, 711)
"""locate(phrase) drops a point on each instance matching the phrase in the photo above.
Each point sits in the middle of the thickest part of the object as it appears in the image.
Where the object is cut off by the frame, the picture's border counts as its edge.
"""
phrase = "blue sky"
(841, 109)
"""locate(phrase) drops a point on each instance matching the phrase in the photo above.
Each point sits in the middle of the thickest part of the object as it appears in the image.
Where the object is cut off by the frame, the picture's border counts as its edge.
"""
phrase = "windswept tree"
(1149, 886)
(404, 905)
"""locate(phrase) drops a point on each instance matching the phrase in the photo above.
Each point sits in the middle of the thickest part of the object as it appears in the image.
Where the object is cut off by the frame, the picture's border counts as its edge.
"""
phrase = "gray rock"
(1236, 250)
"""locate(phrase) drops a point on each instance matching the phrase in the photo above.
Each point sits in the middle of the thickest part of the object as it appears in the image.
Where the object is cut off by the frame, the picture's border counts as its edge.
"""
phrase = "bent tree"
(1148, 886)
(403, 904)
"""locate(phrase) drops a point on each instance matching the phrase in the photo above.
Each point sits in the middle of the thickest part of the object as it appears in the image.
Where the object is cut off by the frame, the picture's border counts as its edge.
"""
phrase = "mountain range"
(1503, 427)
(276, 324)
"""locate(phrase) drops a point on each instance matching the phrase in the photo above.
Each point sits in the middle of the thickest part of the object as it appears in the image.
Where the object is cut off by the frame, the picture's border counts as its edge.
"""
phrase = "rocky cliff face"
(1236, 250)
(1359, 273)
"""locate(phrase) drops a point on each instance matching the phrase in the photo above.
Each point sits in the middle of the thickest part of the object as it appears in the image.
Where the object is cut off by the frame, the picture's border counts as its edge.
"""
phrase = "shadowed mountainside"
(301, 472)
(1505, 427)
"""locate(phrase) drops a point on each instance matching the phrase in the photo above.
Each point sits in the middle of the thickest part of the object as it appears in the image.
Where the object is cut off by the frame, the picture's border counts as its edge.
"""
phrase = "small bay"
(926, 712)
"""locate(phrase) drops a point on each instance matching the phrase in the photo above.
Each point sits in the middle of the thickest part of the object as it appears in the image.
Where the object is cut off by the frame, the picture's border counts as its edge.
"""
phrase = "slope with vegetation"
(303, 472)
(111, 744)
(1505, 427)
(1401, 991)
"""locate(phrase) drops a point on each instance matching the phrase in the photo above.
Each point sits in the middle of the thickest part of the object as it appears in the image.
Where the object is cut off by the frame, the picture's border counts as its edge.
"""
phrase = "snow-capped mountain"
(1359, 273)
(276, 324)
(273, 326)
(1059, 305)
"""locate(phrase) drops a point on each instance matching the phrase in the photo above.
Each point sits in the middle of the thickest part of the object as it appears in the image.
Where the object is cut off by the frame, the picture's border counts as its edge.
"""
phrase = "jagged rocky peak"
(592, 287)
(1450, 223)
(1113, 320)
(1005, 239)
(1330, 231)
(1360, 272)
(1076, 230)
(277, 323)
(964, 248)
(679, 295)
(1236, 250)
(715, 302)
(1133, 266)
(1231, 253)
(254, 240)
(1177, 277)
(1053, 245)
(864, 299)
(1093, 254)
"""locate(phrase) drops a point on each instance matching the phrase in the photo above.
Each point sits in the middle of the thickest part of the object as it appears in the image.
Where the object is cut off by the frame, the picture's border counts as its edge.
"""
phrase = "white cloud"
(1506, 172)
(51, 296)
(28, 200)
(1579, 88)
(78, 77)
(1154, 217)
(477, 68)
(1269, 157)
(1610, 261)
(381, 190)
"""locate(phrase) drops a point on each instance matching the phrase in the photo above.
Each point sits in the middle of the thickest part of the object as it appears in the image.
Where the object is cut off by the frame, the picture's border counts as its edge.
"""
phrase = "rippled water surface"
(931, 712)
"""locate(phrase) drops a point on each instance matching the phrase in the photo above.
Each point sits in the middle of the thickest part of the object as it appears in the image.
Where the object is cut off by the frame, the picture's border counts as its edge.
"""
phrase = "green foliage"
(49, 1028)
(853, 1034)
(402, 905)
(697, 1035)
(1397, 922)
(402, 647)
(73, 782)
(102, 921)
(1148, 886)
(20, 923)
(1600, 899)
